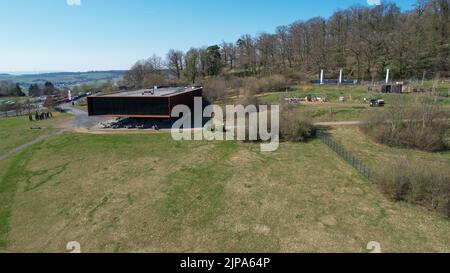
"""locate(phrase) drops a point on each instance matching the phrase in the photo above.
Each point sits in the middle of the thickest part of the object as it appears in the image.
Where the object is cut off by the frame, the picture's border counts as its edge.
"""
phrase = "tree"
(145, 73)
(364, 41)
(247, 56)
(35, 91)
(192, 61)
(228, 55)
(49, 102)
(267, 45)
(18, 91)
(8, 88)
(286, 45)
(49, 88)
(213, 61)
(175, 62)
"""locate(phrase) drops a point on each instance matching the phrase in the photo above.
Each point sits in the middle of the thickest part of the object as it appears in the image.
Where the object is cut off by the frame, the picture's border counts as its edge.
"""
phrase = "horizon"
(75, 37)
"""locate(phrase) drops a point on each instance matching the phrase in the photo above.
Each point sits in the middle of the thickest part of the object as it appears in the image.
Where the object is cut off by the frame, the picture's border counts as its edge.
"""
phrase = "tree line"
(363, 41)
(9, 88)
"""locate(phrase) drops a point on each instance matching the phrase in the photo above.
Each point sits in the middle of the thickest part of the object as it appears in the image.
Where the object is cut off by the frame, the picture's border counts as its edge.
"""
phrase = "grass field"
(373, 153)
(16, 131)
(145, 192)
(351, 109)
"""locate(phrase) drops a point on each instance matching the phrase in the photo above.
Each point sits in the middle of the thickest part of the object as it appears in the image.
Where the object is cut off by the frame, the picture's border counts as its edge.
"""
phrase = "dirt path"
(338, 123)
(28, 144)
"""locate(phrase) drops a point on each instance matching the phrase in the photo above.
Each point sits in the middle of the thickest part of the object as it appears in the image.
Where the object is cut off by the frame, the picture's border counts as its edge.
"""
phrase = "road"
(82, 120)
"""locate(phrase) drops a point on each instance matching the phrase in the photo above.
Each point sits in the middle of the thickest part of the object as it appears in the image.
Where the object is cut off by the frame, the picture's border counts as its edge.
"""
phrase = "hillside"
(62, 79)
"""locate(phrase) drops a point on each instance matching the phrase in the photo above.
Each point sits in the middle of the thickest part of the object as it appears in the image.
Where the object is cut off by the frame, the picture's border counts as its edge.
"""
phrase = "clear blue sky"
(51, 35)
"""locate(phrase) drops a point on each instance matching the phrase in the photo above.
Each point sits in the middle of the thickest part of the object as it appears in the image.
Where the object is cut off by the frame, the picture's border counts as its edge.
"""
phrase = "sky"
(86, 35)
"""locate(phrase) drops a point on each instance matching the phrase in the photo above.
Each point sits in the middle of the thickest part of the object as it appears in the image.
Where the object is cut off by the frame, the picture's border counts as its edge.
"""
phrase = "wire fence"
(346, 155)
(12, 114)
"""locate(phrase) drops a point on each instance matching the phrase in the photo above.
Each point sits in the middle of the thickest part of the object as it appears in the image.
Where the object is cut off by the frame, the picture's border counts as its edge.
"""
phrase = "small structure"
(385, 88)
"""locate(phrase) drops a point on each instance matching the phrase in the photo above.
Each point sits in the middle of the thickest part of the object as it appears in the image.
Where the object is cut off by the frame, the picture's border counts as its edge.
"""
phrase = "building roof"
(159, 92)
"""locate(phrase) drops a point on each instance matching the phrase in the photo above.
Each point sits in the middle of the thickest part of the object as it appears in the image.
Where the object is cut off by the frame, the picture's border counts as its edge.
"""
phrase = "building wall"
(140, 107)
(185, 99)
(128, 106)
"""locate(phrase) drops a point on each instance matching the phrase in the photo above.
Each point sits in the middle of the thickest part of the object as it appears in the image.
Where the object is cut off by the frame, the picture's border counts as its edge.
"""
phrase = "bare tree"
(175, 62)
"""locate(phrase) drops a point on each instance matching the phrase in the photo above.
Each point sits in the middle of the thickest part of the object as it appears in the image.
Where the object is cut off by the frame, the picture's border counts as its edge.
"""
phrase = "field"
(147, 193)
(144, 192)
(16, 131)
(359, 144)
(352, 108)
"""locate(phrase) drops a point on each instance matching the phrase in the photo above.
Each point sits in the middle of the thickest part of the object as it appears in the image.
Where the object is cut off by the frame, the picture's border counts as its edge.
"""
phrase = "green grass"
(16, 131)
(8, 186)
(373, 153)
(148, 193)
(351, 109)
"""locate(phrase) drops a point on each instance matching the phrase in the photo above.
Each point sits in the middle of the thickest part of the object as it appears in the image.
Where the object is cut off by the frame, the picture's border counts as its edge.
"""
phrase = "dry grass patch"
(147, 193)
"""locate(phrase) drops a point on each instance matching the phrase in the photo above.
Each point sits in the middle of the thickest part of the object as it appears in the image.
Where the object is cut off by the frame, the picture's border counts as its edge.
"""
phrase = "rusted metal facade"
(141, 105)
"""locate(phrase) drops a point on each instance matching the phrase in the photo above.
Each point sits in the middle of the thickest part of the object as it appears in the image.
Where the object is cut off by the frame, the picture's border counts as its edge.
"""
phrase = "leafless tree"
(175, 62)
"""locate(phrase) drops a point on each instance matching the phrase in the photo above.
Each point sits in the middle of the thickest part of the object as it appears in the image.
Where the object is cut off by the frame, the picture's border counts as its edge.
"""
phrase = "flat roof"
(159, 92)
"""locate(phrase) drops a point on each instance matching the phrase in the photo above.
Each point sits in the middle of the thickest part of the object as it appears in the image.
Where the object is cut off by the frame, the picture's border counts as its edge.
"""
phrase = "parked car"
(376, 103)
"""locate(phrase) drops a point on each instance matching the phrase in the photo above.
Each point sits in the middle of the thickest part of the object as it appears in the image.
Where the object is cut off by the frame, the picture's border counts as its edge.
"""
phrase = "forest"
(363, 41)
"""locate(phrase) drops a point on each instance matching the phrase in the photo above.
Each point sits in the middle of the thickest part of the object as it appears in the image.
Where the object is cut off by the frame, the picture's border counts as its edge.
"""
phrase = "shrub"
(297, 77)
(248, 99)
(214, 89)
(416, 182)
(295, 127)
(255, 86)
(403, 125)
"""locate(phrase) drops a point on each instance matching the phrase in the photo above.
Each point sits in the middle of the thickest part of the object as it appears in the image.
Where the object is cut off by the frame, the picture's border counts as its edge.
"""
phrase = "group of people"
(40, 115)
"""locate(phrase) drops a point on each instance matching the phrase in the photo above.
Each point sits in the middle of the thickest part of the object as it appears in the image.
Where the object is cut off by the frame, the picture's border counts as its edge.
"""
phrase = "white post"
(69, 95)
(340, 77)
(321, 76)
(387, 76)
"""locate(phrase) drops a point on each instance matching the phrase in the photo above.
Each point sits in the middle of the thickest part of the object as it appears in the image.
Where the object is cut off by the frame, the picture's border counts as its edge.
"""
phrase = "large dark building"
(149, 103)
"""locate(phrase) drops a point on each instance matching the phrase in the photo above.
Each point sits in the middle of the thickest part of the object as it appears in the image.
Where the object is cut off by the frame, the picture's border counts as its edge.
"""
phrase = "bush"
(214, 89)
(415, 182)
(418, 126)
(255, 86)
(297, 77)
(248, 99)
(295, 127)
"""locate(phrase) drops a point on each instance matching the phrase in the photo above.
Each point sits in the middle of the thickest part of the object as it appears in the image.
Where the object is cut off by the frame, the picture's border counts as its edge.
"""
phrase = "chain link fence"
(346, 155)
